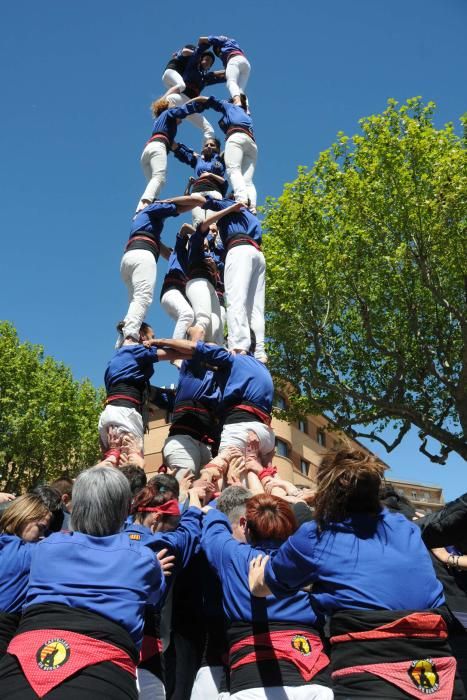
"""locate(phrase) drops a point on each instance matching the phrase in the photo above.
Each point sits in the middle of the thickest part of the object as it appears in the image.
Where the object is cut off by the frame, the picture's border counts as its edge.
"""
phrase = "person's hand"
(258, 588)
(227, 455)
(4, 497)
(308, 495)
(206, 509)
(114, 438)
(202, 488)
(187, 482)
(166, 561)
(237, 470)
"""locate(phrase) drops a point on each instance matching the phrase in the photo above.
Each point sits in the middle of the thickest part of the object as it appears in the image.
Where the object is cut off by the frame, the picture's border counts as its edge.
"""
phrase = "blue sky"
(77, 80)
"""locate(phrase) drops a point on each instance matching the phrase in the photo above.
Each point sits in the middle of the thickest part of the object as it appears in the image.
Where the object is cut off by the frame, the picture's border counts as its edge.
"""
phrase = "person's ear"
(242, 523)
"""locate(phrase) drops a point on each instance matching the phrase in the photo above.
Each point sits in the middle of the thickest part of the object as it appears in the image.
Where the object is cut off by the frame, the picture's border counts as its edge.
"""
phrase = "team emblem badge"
(53, 654)
(134, 536)
(301, 644)
(424, 676)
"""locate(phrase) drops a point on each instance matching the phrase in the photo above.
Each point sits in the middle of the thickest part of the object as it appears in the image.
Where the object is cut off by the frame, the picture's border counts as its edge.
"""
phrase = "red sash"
(239, 130)
(149, 240)
(432, 676)
(243, 241)
(115, 397)
(262, 415)
(152, 646)
(421, 624)
(48, 657)
(302, 649)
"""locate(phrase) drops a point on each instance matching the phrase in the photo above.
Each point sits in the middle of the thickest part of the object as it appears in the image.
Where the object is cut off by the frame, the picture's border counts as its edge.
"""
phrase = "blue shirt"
(131, 363)
(15, 561)
(166, 122)
(238, 223)
(231, 561)
(112, 576)
(240, 377)
(178, 259)
(226, 46)
(364, 562)
(151, 219)
(232, 115)
(198, 163)
(197, 383)
(194, 77)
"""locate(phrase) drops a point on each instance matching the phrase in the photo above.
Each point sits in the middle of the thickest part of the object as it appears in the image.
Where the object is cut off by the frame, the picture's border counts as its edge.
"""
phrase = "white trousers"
(138, 270)
(198, 215)
(237, 73)
(178, 308)
(154, 164)
(207, 310)
(244, 281)
(240, 158)
(182, 452)
(150, 687)
(172, 78)
(286, 692)
(198, 120)
(127, 420)
(207, 683)
(236, 435)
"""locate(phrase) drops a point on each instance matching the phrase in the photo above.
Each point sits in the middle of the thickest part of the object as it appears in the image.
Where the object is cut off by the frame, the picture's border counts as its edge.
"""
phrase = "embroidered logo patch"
(134, 536)
(301, 644)
(53, 654)
(424, 676)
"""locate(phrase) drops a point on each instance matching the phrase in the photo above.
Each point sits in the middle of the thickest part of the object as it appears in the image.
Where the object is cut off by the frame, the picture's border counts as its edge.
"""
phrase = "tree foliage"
(367, 281)
(48, 421)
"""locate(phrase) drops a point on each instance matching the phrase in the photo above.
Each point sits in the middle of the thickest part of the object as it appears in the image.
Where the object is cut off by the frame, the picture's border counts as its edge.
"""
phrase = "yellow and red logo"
(301, 644)
(423, 674)
(53, 654)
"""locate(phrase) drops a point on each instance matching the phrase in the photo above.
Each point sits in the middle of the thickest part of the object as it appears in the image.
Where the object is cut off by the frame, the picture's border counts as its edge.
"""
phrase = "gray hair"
(101, 501)
(232, 502)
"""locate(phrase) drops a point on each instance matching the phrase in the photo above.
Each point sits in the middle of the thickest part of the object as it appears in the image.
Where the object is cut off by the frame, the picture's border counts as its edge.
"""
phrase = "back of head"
(166, 484)
(64, 485)
(159, 106)
(348, 481)
(395, 501)
(20, 512)
(49, 495)
(269, 518)
(136, 477)
(101, 500)
(152, 498)
(52, 499)
(232, 502)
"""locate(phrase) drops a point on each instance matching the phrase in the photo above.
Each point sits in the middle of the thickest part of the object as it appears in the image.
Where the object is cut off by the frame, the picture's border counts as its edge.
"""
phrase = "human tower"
(215, 279)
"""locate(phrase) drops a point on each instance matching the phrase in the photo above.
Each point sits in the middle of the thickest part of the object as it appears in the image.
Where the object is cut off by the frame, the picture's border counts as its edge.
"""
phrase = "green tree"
(48, 421)
(367, 281)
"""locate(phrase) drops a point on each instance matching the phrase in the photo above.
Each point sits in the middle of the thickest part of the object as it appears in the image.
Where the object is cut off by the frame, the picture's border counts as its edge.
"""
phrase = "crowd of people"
(216, 577)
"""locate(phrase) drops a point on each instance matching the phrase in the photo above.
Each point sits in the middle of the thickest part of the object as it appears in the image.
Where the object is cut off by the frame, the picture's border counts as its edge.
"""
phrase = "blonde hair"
(22, 511)
(159, 106)
(348, 481)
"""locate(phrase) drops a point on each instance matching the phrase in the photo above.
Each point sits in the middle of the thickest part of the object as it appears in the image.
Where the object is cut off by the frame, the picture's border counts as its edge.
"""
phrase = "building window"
(304, 467)
(321, 437)
(279, 401)
(303, 426)
(282, 448)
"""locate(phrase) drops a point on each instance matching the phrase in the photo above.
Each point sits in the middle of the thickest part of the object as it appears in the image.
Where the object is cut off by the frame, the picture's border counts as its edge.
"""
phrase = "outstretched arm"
(185, 348)
(187, 203)
(217, 215)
